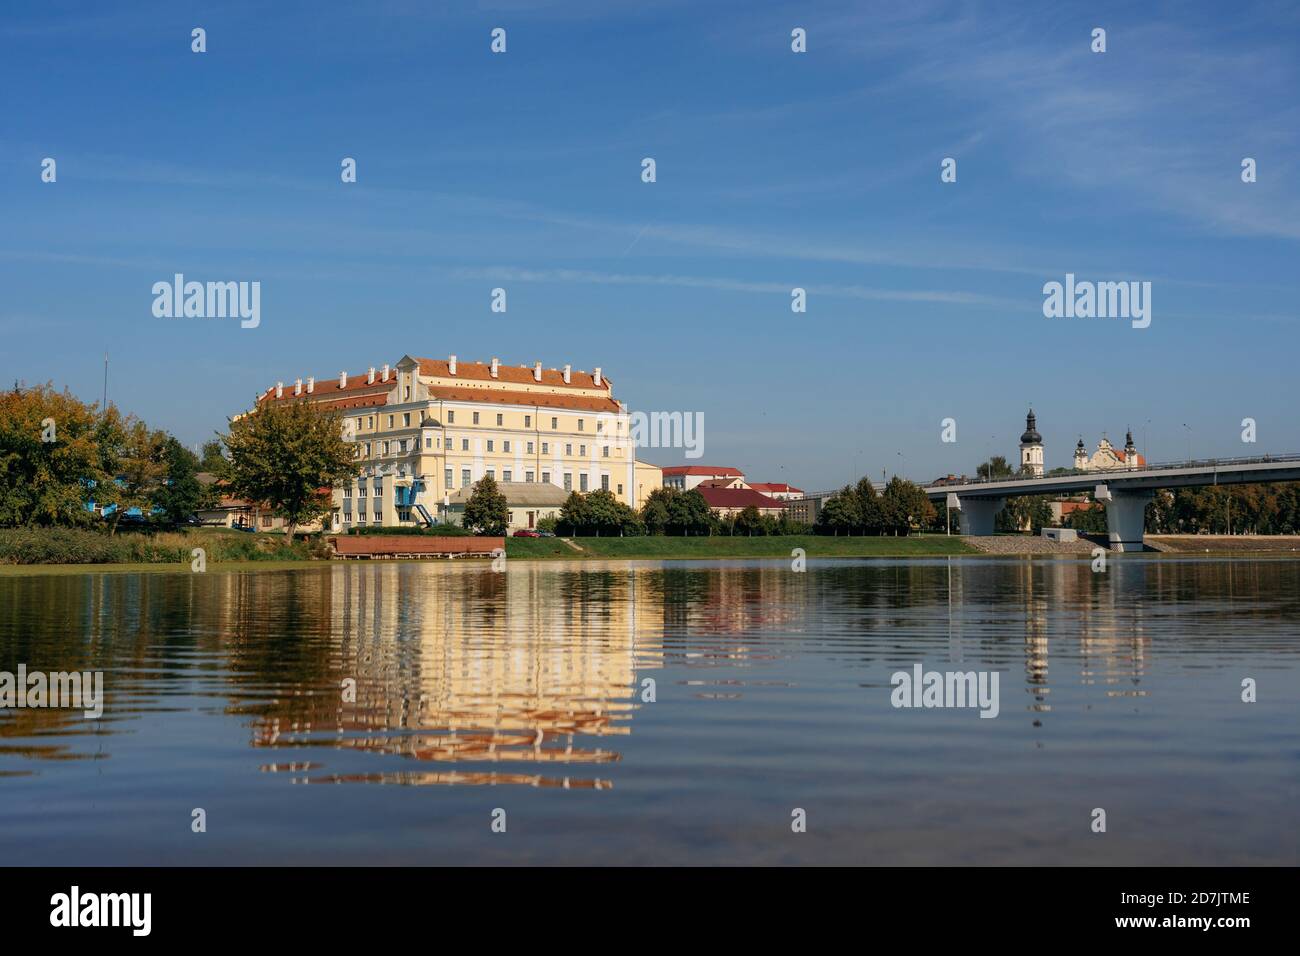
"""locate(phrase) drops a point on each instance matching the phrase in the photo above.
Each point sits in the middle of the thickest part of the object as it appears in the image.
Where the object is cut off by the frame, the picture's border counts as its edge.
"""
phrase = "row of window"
(399, 447)
(466, 480)
(451, 420)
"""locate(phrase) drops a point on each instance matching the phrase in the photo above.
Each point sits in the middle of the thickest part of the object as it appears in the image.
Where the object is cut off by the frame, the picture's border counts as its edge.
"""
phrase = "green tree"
(180, 492)
(902, 505)
(995, 468)
(487, 511)
(749, 521)
(56, 453)
(842, 513)
(690, 514)
(657, 510)
(289, 456)
(211, 458)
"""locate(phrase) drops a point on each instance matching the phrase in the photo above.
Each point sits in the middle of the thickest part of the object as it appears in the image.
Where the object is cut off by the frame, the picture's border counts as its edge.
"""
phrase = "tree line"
(59, 454)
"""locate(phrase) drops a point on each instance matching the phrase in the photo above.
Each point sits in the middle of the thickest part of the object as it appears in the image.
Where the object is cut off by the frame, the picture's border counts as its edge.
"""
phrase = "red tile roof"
(775, 487)
(737, 498)
(709, 470)
(482, 372)
(360, 394)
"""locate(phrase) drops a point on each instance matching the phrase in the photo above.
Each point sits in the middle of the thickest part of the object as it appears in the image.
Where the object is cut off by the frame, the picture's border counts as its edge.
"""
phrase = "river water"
(658, 712)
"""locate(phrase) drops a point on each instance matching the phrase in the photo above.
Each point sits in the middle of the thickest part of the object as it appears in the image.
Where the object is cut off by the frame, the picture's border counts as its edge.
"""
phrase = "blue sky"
(775, 170)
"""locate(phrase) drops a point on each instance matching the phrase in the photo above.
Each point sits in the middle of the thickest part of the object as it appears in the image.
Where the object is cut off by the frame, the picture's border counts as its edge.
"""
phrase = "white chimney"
(385, 378)
(343, 379)
(297, 387)
(537, 372)
(370, 376)
(279, 389)
(568, 373)
(311, 385)
(496, 365)
(451, 365)
(596, 375)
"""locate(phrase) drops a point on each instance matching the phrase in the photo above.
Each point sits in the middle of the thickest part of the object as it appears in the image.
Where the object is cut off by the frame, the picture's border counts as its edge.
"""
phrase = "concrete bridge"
(1125, 492)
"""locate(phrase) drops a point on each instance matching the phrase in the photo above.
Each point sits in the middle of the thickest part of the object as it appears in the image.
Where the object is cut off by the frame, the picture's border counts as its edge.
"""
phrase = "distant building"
(686, 477)
(729, 501)
(529, 502)
(425, 428)
(777, 489)
(1107, 458)
(806, 508)
(1031, 447)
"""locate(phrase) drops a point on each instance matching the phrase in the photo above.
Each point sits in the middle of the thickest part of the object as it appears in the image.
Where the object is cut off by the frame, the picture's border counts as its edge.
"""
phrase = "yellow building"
(425, 428)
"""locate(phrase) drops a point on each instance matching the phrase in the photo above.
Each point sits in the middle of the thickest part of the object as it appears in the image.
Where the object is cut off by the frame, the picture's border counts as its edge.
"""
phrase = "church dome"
(1031, 436)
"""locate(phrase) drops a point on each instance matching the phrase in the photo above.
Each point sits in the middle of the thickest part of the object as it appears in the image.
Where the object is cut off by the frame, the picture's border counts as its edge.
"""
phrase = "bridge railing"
(1117, 472)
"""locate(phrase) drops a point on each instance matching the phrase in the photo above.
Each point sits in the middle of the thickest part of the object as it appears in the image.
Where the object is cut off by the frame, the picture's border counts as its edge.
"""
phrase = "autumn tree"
(288, 456)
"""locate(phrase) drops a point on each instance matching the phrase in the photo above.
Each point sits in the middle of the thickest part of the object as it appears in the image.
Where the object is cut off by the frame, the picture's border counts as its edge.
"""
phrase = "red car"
(526, 533)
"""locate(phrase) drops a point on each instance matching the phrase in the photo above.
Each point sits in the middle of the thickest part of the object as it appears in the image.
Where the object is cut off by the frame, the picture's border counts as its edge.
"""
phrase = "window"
(505, 475)
(499, 419)
(385, 448)
(505, 446)
(476, 418)
(428, 442)
(379, 487)
(379, 517)
(530, 448)
(604, 482)
(464, 444)
(492, 473)
(361, 487)
(620, 489)
(529, 476)
(546, 448)
(600, 426)
(582, 482)
(568, 450)
(358, 424)
(406, 393)
(390, 421)
(401, 446)
(489, 444)
(579, 424)
(370, 422)
(568, 481)
(347, 491)
(528, 421)
(406, 419)
(266, 521)
(582, 451)
(446, 478)
(555, 424)
(451, 417)
(464, 477)
(367, 449)
(604, 451)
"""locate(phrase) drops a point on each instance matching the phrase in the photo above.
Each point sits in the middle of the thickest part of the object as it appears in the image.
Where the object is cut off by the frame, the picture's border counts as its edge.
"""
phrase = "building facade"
(426, 428)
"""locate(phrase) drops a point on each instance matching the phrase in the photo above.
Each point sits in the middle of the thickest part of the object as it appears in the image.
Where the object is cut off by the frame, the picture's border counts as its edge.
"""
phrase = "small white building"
(529, 502)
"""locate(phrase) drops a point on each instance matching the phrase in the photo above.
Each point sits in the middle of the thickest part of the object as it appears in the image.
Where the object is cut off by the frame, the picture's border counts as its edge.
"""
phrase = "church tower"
(1130, 451)
(1080, 456)
(1031, 447)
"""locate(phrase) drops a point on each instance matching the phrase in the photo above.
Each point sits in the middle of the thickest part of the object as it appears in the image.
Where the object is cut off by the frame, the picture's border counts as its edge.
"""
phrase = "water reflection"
(543, 677)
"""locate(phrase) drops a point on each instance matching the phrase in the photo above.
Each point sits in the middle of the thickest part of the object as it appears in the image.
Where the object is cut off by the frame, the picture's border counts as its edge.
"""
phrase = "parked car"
(546, 534)
(527, 533)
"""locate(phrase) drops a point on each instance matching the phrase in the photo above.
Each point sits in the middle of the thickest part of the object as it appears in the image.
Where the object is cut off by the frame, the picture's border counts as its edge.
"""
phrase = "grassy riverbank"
(68, 546)
(705, 548)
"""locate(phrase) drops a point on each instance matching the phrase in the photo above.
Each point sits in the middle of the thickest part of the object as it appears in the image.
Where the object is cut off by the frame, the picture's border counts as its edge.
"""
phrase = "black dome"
(1031, 436)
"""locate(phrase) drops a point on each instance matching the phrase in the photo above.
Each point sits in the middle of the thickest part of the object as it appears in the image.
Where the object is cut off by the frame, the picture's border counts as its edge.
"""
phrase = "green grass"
(705, 548)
